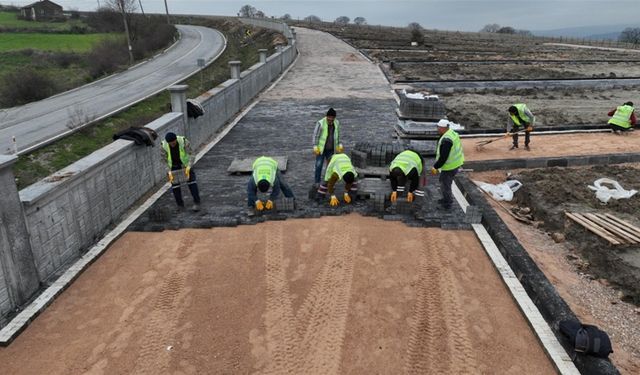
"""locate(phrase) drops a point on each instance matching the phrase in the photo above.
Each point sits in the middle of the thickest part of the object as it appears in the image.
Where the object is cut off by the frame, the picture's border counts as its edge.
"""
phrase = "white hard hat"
(443, 123)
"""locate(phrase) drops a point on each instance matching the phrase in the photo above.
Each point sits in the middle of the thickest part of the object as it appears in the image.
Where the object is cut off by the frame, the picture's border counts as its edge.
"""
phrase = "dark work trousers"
(527, 135)
(446, 179)
(615, 127)
(278, 184)
(326, 155)
(193, 188)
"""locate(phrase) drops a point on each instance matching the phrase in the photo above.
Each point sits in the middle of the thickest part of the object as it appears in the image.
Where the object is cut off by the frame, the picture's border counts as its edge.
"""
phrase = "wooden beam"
(585, 223)
(622, 222)
(613, 228)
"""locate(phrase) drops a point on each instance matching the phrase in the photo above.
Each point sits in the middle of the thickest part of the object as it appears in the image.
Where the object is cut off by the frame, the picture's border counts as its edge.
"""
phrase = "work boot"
(180, 208)
(513, 147)
(527, 148)
(196, 207)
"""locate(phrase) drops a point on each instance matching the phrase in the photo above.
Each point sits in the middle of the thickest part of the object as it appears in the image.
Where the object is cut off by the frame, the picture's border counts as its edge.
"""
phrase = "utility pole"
(98, 4)
(141, 9)
(126, 29)
(166, 8)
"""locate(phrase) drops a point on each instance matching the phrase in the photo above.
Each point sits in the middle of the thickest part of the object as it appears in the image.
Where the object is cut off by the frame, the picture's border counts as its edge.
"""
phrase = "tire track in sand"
(439, 340)
(310, 342)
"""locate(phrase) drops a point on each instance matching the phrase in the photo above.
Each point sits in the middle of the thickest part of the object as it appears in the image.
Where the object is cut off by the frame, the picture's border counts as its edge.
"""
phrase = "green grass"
(50, 42)
(39, 164)
(9, 20)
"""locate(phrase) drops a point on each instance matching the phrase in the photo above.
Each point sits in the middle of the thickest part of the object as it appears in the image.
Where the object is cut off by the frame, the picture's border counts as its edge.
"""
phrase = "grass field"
(49, 42)
(8, 20)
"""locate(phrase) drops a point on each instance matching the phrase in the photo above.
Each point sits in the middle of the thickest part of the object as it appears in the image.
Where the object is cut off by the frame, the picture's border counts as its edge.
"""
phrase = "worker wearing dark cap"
(326, 141)
(266, 176)
(176, 150)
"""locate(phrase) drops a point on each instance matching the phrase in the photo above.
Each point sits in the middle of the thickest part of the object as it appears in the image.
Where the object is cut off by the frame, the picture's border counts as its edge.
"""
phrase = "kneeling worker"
(339, 168)
(449, 157)
(266, 175)
(407, 165)
(623, 118)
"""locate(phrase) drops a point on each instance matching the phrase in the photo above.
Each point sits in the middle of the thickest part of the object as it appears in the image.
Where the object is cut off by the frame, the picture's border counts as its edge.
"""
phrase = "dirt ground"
(332, 295)
(593, 299)
(553, 145)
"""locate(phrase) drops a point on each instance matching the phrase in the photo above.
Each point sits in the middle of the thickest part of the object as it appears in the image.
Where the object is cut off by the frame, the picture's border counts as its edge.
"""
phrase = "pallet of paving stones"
(429, 107)
(609, 227)
(429, 116)
(378, 154)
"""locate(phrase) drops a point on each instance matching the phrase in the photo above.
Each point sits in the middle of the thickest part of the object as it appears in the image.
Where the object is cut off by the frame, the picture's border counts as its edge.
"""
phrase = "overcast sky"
(467, 15)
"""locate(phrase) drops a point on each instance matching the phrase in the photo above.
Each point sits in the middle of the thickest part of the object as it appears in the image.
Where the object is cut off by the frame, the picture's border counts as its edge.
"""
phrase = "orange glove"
(434, 171)
(170, 177)
(409, 197)
(316, 150)
(187, 171)
(340, 149)
(334, 201)
(347, 198)
(268, 205)
(393, 197)
(259, 205)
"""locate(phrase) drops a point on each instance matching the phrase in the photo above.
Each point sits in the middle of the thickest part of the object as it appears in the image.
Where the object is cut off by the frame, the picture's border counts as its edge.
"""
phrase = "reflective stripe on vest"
(339, 164)
(324, 133)
(521, 108)
(622, 117)
(265, 168)
(456, 157)
(184, 157)
(406, 161)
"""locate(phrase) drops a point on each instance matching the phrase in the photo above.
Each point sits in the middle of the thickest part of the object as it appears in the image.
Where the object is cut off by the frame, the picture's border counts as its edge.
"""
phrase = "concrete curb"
(565, 161)
(542, 293)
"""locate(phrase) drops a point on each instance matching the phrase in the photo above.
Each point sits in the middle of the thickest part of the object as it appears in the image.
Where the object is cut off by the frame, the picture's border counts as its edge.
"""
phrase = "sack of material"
(194, 108)
(587, 339)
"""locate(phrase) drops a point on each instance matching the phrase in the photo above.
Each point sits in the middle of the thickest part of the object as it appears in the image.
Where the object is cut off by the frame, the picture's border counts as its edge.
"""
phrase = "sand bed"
(333, 295)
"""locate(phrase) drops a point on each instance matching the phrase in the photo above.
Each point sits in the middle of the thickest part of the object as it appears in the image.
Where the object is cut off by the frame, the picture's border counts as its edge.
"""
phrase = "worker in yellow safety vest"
(520, 117)
(176, 151)
(339, 168)
(266, 176)
(449, 158)
(326, 141)
(406, 166)
(623, 118)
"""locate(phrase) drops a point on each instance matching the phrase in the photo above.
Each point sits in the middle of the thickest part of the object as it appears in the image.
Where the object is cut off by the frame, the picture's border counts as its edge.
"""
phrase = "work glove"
(334, 201)
(268, 205)
(347, 198)
(170, 177)
(434, 171)
(340, 149)
(530, 128)
(187, 172)
(393, 197)
(316, 150)
(409, 197)
(259, 205)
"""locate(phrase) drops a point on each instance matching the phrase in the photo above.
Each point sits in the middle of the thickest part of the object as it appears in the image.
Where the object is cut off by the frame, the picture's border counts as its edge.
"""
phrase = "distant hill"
(591, 32)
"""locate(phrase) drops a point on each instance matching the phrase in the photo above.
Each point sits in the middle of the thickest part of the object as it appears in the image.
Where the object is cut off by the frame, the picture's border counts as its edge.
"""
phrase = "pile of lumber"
(616, 231)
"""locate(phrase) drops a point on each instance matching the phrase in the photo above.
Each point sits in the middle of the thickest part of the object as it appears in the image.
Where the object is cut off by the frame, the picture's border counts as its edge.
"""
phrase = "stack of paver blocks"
(429, 108)
(284, 204)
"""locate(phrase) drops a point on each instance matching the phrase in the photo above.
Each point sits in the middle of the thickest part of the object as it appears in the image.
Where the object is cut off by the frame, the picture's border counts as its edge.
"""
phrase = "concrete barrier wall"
(70, 210)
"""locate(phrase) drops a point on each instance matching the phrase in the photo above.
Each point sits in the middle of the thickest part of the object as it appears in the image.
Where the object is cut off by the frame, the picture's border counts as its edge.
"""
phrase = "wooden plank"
(622, 222)
(624, 236)
(585, 223)
(629, 233)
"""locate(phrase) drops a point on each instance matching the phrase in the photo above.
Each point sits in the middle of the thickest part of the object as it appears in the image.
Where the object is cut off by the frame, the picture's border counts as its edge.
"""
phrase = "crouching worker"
(265, 176)
(176, 150)
(339, 168)
(407, 166)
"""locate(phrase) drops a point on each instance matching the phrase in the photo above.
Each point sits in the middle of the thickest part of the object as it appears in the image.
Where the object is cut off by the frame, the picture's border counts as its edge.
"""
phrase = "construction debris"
(616, 231)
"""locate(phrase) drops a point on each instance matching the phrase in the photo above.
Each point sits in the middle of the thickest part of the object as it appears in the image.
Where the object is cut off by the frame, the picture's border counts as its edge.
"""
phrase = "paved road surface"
(38, 122)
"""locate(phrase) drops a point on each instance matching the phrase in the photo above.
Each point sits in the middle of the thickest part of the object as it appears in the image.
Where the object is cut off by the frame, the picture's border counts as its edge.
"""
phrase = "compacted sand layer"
(332, 295)
(556, 145)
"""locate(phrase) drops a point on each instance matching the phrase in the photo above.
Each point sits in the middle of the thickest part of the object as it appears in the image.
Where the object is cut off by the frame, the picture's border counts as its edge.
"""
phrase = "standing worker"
(339, 168)
(407, 165)
(520, 117)
(326, 141)
(623, 118)
(266, 175)
(176, 149)
(449, 158)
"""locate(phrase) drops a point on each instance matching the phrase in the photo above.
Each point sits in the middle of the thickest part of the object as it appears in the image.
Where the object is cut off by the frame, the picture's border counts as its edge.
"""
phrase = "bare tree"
(506, 30)
(286, 17)
(248, 11)
(490, 28)
(414, 26)
(342, 20)
(312, 18)
(630, 35)
(360, 21)
(524, 32)
(260, 14)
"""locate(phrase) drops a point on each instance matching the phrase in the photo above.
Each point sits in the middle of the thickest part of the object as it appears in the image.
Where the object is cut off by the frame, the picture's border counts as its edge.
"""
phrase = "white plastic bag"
(604, 194)
(503, 191)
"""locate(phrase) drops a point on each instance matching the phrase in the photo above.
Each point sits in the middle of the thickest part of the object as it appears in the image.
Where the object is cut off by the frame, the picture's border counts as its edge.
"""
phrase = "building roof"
(40, 2)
